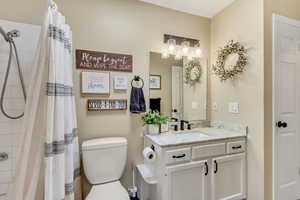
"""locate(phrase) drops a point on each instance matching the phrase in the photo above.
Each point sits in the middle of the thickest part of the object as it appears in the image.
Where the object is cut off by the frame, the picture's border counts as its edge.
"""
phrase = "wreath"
(234, 70)
(193, 72)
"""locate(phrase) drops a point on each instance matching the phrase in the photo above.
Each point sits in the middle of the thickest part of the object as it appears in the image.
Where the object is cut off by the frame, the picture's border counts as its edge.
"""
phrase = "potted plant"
(153, 120)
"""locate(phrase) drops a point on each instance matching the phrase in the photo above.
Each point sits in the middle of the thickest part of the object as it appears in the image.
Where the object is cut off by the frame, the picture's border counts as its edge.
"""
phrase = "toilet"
(104, 161)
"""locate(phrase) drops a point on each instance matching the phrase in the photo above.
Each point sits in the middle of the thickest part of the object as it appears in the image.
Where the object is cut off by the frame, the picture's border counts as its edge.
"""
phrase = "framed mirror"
(170, 92)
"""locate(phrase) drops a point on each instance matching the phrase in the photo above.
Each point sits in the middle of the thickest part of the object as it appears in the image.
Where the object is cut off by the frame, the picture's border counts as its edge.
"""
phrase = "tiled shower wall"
(10, 130)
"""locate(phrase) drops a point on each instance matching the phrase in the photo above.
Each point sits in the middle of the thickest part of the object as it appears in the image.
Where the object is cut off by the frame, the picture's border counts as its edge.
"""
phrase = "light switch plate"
(233, 108)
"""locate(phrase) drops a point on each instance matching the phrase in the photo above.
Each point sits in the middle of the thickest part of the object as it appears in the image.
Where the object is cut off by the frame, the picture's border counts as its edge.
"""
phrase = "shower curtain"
(49, 164)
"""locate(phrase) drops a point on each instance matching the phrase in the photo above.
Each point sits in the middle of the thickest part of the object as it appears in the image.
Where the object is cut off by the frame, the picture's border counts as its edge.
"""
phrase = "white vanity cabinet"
(187, 181)
(214, 170)
(228, 178)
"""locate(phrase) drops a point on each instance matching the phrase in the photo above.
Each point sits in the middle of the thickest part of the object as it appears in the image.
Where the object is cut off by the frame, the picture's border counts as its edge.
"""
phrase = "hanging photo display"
(95, 83)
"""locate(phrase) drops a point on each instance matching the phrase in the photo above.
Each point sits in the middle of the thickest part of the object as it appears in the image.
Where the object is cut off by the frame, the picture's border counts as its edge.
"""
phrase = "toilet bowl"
(104, 161)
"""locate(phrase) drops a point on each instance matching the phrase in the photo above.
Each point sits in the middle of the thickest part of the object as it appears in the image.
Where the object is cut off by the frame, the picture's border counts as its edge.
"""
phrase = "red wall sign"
(92, 60)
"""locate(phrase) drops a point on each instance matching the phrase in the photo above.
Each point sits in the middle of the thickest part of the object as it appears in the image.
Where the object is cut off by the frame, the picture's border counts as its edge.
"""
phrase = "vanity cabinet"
(200, 171)
(188, 181)
(228, 177)
(219, 178)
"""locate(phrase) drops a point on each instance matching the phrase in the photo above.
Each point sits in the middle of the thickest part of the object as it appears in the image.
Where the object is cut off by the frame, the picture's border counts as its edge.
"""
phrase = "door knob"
(281, 124)
(3, 156)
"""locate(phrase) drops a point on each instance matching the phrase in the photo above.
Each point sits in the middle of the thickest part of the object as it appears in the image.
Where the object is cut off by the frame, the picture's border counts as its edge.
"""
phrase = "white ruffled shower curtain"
(48, 161)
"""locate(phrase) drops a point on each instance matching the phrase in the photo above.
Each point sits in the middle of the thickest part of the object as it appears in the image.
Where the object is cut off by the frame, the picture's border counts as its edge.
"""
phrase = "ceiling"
(205, 8)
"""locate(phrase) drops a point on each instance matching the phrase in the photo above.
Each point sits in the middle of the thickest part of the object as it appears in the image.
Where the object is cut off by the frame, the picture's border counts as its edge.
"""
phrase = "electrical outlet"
(233, 108)
(215, 107)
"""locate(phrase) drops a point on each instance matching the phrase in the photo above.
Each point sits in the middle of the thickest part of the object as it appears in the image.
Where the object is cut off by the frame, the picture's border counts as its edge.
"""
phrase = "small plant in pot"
(153, 120)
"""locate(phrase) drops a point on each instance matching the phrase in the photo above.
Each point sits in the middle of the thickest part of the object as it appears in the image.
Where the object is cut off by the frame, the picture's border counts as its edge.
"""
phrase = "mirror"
(178, 88)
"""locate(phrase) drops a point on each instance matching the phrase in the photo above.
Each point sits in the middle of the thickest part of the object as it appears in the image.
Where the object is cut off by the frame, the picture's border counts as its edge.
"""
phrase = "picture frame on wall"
(120, 82)
(155, 82)
(95, 83)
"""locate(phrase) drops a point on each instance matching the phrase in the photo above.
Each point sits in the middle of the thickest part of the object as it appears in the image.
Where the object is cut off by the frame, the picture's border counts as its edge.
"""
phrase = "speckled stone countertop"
(218, 132)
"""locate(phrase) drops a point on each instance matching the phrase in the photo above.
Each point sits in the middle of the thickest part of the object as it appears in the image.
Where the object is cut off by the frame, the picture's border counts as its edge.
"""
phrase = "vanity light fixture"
(181, 46)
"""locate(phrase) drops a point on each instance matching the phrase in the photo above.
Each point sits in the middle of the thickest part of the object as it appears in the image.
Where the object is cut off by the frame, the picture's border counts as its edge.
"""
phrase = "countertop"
(195, 136)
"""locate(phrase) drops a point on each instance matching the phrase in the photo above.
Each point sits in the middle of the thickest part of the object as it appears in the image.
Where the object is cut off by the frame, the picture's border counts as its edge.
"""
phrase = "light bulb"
(198, 52)
(171, 48)
(185, 50)
(185, 47)
(171, 45)
(165, 54)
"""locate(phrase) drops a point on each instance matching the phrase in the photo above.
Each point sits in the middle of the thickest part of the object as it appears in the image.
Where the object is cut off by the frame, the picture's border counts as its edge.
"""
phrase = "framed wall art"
(155, 82)
(103, 61)
(106, 104)
(95, 83)
(120, 82)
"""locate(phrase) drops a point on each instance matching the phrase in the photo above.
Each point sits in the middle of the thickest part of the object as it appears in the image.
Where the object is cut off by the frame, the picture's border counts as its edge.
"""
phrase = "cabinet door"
(187, 181)
(229, 177)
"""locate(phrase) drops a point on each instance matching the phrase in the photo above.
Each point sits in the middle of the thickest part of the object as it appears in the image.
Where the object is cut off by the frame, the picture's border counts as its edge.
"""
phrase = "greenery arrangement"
(193, 72)
(232, 71)
(153, 117)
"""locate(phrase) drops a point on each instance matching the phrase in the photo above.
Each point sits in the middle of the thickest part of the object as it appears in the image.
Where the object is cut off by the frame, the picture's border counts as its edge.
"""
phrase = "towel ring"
(137, 79)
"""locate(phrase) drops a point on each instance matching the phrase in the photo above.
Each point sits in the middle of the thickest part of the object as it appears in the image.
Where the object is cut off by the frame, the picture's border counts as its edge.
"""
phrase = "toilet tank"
(104, 159)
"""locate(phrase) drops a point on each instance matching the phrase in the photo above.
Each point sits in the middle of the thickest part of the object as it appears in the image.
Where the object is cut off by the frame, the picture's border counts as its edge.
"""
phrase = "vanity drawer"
(236, 147)
(205, 151)
(178, 156)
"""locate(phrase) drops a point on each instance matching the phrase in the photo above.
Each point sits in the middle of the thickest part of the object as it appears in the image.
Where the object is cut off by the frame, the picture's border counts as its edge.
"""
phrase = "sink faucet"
(182, 122)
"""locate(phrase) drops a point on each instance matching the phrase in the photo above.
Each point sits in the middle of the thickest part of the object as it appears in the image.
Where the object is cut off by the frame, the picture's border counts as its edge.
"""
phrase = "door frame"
(276, 19)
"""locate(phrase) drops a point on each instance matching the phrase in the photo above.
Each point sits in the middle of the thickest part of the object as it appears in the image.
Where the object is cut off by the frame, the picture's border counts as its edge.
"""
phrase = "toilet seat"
(108, 191)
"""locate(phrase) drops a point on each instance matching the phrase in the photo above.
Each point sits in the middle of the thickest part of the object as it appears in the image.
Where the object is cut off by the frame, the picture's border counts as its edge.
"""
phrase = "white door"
(228, 179)
(188, 181)
(286, 87)
(177, 100)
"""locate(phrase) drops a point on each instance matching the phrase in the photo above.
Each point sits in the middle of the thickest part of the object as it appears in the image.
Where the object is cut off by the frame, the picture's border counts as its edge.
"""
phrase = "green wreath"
(231, 48)
(193, 72)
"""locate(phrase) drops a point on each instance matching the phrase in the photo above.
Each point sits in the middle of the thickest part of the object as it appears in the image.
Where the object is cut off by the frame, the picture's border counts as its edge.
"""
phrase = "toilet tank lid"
(103, 143)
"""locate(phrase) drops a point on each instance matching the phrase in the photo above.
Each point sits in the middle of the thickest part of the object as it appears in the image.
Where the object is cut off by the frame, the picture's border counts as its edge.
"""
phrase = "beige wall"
(289, 8)
(163, 67)
(120, 26)
(132, 27)
(243, 22)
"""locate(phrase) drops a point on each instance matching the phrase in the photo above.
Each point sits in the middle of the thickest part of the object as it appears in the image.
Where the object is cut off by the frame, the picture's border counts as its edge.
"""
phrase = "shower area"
(39, 150)
(18, 43)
